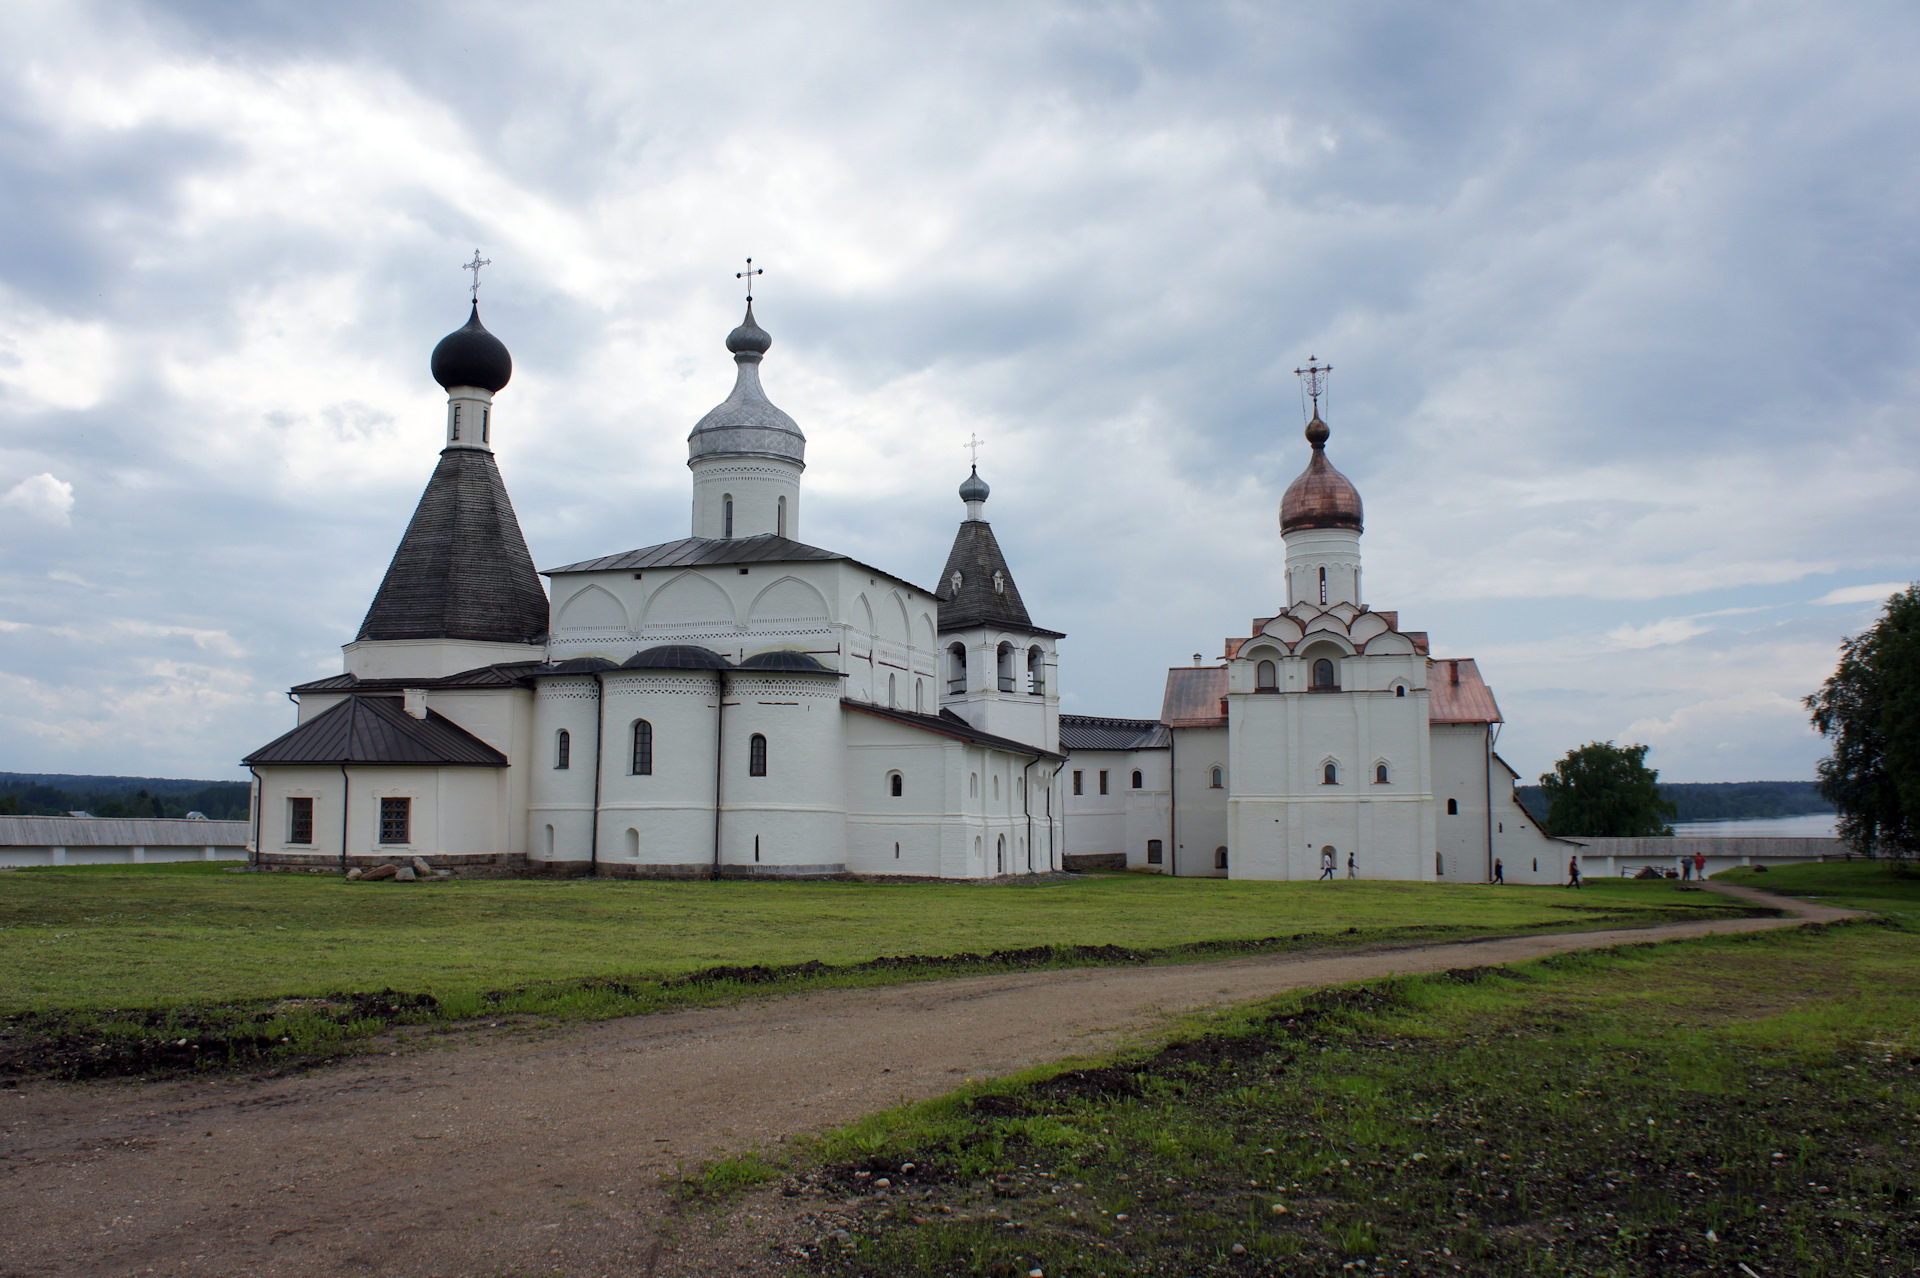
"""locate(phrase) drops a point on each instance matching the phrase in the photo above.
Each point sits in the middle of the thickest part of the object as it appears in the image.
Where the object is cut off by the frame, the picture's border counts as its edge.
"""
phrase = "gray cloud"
(1621, 302)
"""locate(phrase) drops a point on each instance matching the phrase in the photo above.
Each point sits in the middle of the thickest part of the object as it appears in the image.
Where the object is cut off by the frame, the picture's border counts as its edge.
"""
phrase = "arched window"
(1439, 865)
(1000, 855)
(1323, 675)
(1379, 774)
(919, 696)
(1136, 778)
(633, 844)
(896, 851)
(1265, 679)
(893, 690)
(726, 516)
(1330, 775)
(957, 669)
(756, 755)
(1399, 689)
(1037, 671)
(1005, 656)
(1323, 585)
(563, 749)
(780, 519)
(996, 786)
(1219, 858)
(893, 784)
(642, 748)
(1219, 779)
(1453, 807)
(973, 785)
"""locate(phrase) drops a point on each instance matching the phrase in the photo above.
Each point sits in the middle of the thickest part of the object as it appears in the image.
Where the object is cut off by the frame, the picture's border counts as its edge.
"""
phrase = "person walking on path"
(1352, 869)
(1700, 866)
(1686, 869)
(1573, 870)
(1499, 872)
(1326, 865)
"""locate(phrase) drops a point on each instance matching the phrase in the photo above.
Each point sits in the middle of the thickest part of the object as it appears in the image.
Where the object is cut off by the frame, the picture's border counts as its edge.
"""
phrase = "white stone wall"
(1460, 763)
(560, 805)
(793, 819)
(758, 486)
(1199, 810)
(454, 811)
(851, 619)
(663, 820)
(1121, 821)
(1019, 714)
(430, 658)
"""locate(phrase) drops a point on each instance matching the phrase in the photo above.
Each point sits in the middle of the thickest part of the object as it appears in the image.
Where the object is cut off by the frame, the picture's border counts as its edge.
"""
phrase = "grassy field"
(1674, 1109)
(150, 970)
(1860, 885)
(142, 936)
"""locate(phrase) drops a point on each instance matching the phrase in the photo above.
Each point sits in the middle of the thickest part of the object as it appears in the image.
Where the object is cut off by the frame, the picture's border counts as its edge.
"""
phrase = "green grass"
(1888, 887)
(1591, 1114)
(150, 936)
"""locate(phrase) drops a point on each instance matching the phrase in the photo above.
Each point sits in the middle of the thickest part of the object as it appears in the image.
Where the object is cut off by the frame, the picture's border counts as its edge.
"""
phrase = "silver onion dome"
(746, 423)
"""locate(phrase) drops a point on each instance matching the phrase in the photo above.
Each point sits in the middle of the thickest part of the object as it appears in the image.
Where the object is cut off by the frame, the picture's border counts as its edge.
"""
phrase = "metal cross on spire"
(475, 266)
(748, 275)
(1313, 379)
(973, 448)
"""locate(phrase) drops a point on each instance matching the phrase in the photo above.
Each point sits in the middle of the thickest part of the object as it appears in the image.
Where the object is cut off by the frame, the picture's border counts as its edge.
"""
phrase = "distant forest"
(56, 794)
(1719, 800)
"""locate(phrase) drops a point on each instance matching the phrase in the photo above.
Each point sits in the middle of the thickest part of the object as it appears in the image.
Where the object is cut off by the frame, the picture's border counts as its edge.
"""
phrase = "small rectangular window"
(456, 421)
(299, 820)
(1079, 783)
(396, 820)
(1103, 780)
(1153, 852)
(486, 417)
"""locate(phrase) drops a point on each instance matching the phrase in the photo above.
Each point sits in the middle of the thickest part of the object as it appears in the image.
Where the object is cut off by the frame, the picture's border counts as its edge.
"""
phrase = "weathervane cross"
(475, 266)
(1314, 378)
(973, 448)
(748, 275)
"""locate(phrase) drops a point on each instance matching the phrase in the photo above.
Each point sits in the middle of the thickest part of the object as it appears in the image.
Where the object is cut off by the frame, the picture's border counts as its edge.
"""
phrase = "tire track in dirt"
(508, 1152)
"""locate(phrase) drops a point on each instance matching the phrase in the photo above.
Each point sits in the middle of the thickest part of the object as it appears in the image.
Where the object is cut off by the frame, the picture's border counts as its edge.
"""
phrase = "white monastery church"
(734, 703)
(741, 703)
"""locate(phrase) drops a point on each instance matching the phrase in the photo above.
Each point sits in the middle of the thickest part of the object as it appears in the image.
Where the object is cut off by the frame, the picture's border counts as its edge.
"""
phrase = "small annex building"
(736, 702)
(1328, 730)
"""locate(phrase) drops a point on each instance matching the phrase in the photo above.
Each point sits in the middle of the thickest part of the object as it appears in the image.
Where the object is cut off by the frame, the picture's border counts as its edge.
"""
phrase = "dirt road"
(503, 1152)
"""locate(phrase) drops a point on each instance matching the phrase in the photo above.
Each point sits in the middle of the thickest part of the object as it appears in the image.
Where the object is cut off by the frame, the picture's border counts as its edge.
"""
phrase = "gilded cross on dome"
(475, 266)
(748, 275)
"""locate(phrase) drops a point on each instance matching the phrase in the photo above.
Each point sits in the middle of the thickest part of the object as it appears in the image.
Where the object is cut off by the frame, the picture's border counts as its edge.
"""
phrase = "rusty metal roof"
(1321, 497)
(363, 729)
(1457, 694)
(1194, 697)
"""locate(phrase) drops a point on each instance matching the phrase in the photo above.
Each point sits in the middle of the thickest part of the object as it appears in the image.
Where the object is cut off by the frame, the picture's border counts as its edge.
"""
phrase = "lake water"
(1819, 826)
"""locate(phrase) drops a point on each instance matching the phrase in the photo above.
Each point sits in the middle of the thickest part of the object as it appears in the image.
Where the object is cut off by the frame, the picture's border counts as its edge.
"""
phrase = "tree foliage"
(1869, 707)
(1603, 790)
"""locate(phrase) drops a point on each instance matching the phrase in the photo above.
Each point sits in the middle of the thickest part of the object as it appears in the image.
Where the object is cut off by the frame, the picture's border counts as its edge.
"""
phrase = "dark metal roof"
(577, 666)
(370, 729)
(949, 724)
(93, 832)
(976, 557)
(1090, 732)
(512, 674)
(462, 570)
(781, 659)
(676, 656)
(695, 552)
(471, 356)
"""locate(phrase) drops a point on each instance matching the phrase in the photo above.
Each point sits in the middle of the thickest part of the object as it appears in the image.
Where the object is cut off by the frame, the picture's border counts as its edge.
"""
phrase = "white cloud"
(41, 497)
(1656, 634)
(1862, 594)
(48, 361)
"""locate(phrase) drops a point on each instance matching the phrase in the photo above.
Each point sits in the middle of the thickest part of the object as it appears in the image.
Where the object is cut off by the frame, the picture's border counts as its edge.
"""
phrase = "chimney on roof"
(1196, 658)
(1453, 672)
(415, 700)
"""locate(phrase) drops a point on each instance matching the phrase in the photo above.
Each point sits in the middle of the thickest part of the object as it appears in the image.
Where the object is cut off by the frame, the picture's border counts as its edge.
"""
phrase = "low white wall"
(1627, 857)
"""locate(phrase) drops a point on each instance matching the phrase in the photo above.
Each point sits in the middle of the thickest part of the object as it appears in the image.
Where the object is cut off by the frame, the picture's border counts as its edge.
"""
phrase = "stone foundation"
(503, 865)
(1088, 862)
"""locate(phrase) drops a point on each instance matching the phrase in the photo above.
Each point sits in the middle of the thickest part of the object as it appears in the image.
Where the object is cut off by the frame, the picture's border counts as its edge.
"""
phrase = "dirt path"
(507, 1153)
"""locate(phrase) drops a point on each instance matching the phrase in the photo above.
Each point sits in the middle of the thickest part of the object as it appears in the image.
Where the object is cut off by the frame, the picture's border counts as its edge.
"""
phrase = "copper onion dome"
(1321, 497)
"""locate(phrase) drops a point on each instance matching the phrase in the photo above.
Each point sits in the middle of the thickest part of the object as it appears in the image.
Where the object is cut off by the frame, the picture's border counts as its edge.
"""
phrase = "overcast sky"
(1621, 301)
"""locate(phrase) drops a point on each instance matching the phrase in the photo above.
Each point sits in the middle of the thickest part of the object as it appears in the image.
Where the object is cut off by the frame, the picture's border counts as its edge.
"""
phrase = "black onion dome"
(471, 356)
(676, 656)
(796, 661)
